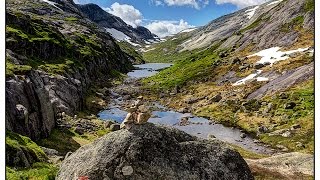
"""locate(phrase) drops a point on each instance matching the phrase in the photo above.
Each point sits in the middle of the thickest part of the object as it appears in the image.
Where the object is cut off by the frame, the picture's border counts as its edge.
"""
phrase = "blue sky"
(164, 17)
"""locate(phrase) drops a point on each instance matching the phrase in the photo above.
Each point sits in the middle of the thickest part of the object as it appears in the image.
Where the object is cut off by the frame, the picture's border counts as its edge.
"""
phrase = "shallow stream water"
(200, 127)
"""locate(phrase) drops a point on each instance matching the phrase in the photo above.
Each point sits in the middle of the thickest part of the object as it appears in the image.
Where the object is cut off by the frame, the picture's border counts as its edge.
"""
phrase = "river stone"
(79, 130)
(107, 124)
(115, 127)
(154, 151)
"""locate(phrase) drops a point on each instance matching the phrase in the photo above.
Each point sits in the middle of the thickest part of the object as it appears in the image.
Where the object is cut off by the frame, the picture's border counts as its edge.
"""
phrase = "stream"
(198, 126)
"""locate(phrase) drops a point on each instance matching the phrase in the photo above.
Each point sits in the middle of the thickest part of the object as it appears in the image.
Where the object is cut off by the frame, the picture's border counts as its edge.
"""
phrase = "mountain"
(252, 69)
(116, 26)
(54, 55)
(263, 25)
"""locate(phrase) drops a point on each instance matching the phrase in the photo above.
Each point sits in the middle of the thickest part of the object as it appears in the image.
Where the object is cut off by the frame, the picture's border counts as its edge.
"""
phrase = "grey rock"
(154, 151)
(183, 110)
(287, 134)
(243, 135)
(283, 95)
(79, 130)
(107, 124)
(115, 127)
(263, 129)
(107, 20)
(290, 105)
(211, 136)
(258, 66)
(295, 126)
(284, 81)
(215, 98)
(50, 152)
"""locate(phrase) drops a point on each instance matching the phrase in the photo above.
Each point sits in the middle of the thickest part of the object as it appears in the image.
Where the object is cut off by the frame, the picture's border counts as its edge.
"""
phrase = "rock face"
(266, 23)
(148, 151)
(65, 55)
(286, 80)
(288, 165)
(107, 20)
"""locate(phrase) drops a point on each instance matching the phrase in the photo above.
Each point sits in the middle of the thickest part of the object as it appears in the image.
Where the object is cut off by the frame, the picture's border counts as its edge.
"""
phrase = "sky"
(166, 17)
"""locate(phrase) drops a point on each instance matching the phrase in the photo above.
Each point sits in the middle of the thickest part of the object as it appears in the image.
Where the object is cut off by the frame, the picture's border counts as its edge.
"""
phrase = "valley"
(243, 83)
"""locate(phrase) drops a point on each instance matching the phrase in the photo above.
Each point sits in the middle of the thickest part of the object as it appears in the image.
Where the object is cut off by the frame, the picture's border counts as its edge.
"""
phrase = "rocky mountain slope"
(148, 151)
(253, 69)
(54, 54)
(116, 26)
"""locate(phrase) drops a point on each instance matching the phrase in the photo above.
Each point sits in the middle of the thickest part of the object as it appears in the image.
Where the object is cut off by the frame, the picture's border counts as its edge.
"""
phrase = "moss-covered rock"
(21, 151)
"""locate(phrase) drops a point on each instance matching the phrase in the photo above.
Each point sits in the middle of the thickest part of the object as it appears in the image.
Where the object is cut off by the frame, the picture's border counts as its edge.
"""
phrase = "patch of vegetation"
(295, 23)
(72, 19)
(190, 68)
(65, 141)
(256, 23)
(247, 154)
(309, 5)
(127, 48)
(38, 171)
(168, 51)
(18, 142)
(12, 69)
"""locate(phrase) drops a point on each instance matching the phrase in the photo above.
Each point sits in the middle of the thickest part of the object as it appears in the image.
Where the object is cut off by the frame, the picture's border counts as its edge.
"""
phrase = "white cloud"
(158, 2)
(127, 13)
(241, 3)
(165, 28)
(197, 4)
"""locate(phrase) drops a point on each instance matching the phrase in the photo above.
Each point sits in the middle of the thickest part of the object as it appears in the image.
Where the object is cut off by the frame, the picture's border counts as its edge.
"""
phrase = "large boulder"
(148, 151)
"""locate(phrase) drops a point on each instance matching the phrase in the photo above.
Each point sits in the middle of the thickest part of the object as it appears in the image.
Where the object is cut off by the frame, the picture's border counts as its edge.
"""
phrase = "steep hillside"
(54, 55)
(116, 26)
(252, 69)
(275, 23)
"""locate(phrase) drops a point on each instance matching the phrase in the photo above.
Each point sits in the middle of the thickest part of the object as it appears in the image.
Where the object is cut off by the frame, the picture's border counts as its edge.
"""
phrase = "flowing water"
(198, 126)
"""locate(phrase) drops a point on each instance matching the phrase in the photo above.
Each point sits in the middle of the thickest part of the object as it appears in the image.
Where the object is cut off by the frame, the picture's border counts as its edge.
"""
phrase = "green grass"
(168, 51)
(72, 19)
(302, 113)
(61, 140)
(293, 24)
(127, 48)
(38, 171)
(309, 5)
(192, 67)
(19, 142)
(181, 73)
(247, 154)
(256, 23)
(65, 141)
(12, 69)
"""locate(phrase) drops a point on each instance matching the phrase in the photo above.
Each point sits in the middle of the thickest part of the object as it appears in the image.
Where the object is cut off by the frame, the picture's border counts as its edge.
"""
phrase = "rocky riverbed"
(124, 95)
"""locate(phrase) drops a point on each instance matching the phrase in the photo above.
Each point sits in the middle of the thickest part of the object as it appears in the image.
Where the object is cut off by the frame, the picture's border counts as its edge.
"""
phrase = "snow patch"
(132, 43)
(147, 42)
(273, 55)
(118, 35)
(173, 39)
(274, 2)
(52, 4)
(146, 50)
(250, 77)
(188, 30)
(250, 12)
(262, 79)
